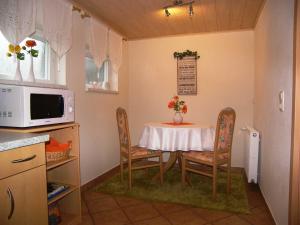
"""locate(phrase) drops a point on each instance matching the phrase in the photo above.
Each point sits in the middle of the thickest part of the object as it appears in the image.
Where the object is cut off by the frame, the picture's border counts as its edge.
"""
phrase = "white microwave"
(23, 106)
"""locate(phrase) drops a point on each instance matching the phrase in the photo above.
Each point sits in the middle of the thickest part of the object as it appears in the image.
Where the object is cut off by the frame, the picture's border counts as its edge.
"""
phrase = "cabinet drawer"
(21, 159)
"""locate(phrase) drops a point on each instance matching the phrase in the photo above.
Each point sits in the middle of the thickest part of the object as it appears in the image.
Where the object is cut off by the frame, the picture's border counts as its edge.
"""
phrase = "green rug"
(197, 195)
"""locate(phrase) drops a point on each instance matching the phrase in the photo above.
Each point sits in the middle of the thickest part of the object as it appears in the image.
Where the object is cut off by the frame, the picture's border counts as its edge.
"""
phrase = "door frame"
(294, 206)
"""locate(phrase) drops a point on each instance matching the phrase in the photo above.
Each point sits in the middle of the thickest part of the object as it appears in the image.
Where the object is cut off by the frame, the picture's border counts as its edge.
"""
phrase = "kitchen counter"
(11, 140)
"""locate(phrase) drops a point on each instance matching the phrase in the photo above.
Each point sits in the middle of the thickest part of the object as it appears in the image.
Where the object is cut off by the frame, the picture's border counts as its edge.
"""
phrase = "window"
(99, 79)
(103, 57)
(45, 65)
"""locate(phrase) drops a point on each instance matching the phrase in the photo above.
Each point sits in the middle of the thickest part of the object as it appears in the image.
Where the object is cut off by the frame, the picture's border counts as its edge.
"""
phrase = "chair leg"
(146, 172)
(183, 171)
(228, 177)
(121, 168)
(161, 169)
(129, 174)
(214, 181)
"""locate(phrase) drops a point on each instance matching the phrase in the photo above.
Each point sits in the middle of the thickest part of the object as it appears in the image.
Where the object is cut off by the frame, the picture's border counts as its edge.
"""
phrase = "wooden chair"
(137, 157)
(221, 154)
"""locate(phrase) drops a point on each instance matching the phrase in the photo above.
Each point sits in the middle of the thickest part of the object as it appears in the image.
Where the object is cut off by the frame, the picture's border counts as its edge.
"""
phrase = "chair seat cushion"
(137, 151)
(205, 156)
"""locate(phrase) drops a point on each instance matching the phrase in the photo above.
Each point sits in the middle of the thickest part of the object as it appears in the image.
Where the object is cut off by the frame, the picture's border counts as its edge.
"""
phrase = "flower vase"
(18, 75)
(177, 117)
(30, 76)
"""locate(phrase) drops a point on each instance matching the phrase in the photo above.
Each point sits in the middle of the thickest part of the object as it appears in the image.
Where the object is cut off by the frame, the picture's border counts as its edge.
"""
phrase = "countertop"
(10, 140)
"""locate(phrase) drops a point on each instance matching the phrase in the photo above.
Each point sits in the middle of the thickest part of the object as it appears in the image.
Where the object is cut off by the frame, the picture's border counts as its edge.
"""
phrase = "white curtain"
(96, 40)
(17, 19)
(57, 25)
(115, 50)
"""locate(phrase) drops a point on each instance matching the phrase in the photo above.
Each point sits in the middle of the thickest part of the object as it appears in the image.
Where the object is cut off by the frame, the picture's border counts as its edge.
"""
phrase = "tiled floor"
(103, 209)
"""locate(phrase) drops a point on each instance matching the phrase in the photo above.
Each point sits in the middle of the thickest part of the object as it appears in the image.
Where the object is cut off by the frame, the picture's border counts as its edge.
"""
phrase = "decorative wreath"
(181, 55)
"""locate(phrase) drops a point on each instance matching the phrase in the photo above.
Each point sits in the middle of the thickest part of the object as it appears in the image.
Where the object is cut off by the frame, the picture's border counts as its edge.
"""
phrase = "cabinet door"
(23, 198)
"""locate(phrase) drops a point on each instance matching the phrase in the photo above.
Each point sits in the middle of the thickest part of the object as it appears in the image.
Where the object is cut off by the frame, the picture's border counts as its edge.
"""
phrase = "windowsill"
(32, 84)
(101, 91)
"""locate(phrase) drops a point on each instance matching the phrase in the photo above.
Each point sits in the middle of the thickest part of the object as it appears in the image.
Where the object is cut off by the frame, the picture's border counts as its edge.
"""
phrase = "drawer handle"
(12, 203)
(23, 160)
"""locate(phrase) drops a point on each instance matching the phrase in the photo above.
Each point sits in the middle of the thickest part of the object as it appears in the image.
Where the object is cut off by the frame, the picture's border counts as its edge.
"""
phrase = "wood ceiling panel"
(137, 19)
(236, 14)
(210, 15)
(199, 24)
(251, 13)
(223, 8)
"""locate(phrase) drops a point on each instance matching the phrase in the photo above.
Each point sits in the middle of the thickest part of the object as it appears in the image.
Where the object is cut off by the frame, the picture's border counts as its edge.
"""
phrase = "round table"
(175, 138)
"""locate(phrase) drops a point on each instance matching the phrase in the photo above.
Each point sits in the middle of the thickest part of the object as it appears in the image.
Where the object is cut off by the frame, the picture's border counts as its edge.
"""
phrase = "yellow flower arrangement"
(15, 49)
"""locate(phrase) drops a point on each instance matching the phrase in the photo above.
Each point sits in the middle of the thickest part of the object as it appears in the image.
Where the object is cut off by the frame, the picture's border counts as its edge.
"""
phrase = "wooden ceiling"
(137, 19)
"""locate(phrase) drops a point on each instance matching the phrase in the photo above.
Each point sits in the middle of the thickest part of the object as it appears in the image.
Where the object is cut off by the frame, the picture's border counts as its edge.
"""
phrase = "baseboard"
(262, 193)
(100, 179)
(268, 206)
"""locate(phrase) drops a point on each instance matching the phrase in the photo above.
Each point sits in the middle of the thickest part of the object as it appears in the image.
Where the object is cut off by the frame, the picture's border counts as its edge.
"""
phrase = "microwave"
(24, 106)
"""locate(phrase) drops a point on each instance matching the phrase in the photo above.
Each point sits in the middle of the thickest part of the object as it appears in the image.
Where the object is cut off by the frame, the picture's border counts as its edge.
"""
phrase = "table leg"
(169, 164)
(174, 156)
(179, 157)
(171, 161)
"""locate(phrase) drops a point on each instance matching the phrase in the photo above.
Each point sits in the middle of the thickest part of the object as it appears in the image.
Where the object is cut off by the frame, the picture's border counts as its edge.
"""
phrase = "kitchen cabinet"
(23, 194)
(66, 172)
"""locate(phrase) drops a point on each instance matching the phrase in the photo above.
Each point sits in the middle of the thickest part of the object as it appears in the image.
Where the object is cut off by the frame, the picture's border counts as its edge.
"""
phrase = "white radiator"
(251, 153)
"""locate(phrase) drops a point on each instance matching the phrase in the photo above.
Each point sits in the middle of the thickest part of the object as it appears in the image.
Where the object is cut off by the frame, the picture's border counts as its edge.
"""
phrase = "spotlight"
(191, 11)
(167, 13)
(180, 3)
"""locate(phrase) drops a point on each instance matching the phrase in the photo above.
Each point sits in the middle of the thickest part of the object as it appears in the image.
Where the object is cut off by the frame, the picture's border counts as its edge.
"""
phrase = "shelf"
(51, 165)
(101, 91)
(63, 194)
(45, 128)
(39, 83)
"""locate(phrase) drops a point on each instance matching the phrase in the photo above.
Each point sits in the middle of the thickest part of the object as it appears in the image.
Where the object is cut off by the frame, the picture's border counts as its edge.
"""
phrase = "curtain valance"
(57, 25)
(96, 40)
(17, 19)
(115, 50)
(102, 43)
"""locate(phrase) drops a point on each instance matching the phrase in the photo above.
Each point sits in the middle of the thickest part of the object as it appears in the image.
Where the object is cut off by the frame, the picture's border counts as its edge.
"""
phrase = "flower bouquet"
(15, 50)
(19, 55)
(30, 44)
(179, 107)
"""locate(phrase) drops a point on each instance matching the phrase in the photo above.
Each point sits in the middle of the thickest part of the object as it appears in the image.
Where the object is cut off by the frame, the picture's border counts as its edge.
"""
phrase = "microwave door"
(46, 106)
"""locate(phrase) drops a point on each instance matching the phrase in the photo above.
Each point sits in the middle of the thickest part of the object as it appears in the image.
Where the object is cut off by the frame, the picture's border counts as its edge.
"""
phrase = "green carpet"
(197, 195)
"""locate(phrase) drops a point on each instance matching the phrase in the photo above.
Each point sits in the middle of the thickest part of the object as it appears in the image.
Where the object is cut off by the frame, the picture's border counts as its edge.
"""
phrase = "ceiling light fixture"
(179, 3)
(191, 10)
(167, 12)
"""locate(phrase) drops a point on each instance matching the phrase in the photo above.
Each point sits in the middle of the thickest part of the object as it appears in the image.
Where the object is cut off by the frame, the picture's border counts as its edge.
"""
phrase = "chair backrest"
(123, 128)
(224, 131)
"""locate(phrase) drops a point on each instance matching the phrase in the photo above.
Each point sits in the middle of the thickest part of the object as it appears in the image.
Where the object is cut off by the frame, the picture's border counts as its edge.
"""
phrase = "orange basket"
(57, 151)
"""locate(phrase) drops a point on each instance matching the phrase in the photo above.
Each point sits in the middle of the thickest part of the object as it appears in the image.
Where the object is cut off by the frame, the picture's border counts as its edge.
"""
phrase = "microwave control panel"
(11, 105)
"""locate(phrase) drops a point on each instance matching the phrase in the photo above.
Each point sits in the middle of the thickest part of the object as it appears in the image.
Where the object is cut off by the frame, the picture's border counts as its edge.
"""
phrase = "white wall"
(225, 78)
(95, 112)
(273, 72)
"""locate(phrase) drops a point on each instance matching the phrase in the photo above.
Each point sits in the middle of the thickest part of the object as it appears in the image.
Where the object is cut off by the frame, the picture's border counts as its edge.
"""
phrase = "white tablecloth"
(160, 136)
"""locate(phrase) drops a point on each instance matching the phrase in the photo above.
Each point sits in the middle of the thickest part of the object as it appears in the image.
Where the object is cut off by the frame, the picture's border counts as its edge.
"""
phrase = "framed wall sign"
(187, 76)
(186, 72)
